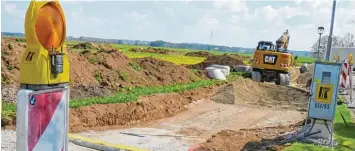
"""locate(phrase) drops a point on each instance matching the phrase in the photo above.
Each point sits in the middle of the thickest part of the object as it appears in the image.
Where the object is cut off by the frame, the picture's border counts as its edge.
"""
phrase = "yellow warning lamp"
(350, 58)
(45, 61)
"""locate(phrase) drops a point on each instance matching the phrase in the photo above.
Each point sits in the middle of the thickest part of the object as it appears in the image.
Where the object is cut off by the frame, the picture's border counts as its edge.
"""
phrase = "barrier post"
(42, 115)
(351, 85)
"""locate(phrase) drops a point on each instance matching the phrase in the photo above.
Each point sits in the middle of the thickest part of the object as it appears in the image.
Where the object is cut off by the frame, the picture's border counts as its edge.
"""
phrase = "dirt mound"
(154, 50)
(247, 139)
(199, 54)
(96, 74)
(226, 59)
(11, 52)
(93, 46)
(157, 70)
(268, 95)
(148, 108)
(304, 80)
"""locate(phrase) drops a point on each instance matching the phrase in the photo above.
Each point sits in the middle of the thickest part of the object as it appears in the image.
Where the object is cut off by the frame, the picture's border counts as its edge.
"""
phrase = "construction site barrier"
(344, 75)
(100, 145)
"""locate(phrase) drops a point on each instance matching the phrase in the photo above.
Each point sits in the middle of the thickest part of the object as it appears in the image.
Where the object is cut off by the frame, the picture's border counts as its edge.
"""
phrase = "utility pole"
(331, 33)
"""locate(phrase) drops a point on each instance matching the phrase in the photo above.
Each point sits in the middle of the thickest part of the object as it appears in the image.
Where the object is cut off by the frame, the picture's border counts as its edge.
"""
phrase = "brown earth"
(148, 108)
(305, 79)
(247, 92)
(97, 74)
(225, 59)
(199, 54)
(93, 46)
(154, 50)
(247, 139)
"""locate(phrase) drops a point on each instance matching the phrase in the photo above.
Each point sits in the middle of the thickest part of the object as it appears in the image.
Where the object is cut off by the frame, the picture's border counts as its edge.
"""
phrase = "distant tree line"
(161, 43)
(348, 40)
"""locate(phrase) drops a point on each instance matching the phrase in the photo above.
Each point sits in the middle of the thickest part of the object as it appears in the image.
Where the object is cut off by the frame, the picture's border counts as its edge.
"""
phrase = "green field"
(344, 135)
(179, 58)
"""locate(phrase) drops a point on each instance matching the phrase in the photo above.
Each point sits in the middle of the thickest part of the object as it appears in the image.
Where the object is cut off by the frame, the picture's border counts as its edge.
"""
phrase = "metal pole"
(331, 32)
(318, 58)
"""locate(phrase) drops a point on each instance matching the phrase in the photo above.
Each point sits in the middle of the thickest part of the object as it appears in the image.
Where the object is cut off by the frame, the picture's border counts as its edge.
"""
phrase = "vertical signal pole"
(331, 32)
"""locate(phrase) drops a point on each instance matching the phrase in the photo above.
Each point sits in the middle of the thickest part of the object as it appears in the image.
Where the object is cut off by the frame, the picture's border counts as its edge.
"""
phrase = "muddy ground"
(97, 74)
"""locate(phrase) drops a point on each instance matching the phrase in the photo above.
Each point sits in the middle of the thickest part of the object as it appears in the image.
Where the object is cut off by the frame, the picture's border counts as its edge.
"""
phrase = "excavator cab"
(266, 46)
(272, 62)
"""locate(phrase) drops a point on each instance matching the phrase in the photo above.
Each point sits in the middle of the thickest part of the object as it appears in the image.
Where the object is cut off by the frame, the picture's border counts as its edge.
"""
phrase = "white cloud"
(208, 20)
(138, 17)
(9, 8)
(234, 22)
(231, 5)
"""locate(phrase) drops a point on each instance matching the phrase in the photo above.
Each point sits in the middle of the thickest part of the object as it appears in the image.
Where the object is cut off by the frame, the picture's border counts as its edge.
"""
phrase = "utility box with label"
(323, 100)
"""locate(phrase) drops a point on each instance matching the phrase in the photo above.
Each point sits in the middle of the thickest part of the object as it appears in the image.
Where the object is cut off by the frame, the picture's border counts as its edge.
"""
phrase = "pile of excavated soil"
(199, 54)
(97, 74)
(147, 108)
(247, 139)
(11, 51)
(93, 46)
(157, 70)
(154, 50)
(304, 80)
(248, 92)
(226, 59)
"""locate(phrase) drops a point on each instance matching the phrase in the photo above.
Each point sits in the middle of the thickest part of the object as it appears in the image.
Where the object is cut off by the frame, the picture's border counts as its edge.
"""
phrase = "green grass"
(176, 59)
(135, 66)
(305, 60)
(9, 109)
(345, 136)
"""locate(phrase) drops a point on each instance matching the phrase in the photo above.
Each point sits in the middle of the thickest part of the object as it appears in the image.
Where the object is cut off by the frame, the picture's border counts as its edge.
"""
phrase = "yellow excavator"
(273, 62)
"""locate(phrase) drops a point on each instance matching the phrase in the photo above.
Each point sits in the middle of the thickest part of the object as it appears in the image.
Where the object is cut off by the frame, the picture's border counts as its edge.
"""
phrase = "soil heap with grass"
(89, 46)
(225, 59)
(154, 50)
(305, 79)
(96, 74)
(199, 54)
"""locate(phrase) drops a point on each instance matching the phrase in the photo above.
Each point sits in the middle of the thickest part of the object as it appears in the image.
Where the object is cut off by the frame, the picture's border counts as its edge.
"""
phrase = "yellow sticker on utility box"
(324, 93)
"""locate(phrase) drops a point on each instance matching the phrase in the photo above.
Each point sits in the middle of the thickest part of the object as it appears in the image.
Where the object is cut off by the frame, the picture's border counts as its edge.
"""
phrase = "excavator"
(273, 63)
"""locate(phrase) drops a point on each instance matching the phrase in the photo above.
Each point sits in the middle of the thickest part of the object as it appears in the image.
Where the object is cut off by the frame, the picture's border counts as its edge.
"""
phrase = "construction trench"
(169, 121)
(119, 103)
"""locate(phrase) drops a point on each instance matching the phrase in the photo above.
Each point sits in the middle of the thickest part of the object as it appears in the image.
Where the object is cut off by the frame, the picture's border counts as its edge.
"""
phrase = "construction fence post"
(351, 86)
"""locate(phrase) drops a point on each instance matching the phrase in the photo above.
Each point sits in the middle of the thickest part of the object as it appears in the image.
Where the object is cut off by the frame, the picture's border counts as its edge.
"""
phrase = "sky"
(233, 22)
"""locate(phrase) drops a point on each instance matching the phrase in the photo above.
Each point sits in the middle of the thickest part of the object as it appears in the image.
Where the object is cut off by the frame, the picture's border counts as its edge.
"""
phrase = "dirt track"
(195, 125)
(198, 118)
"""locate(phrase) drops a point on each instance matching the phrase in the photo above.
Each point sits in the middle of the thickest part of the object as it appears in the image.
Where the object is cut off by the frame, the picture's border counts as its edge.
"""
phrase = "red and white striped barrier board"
(42, 120)
(344, 75)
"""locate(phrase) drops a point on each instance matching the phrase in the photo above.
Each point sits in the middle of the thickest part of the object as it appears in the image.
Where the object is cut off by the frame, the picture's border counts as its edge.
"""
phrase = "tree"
(349, 40)
(336, 42)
